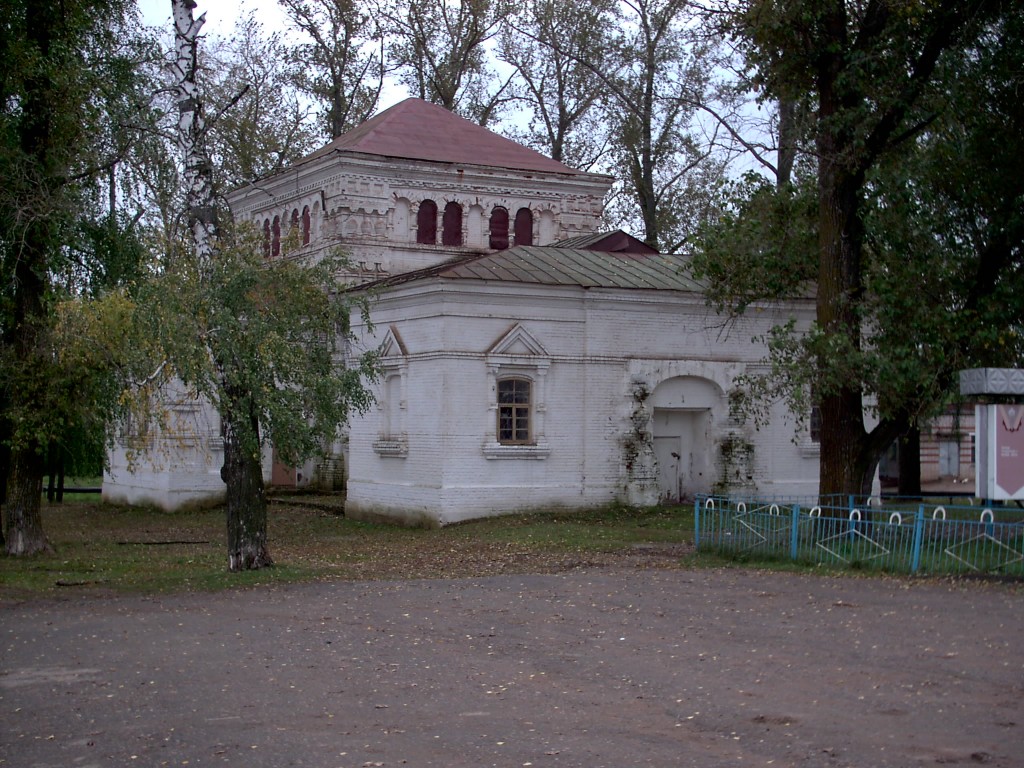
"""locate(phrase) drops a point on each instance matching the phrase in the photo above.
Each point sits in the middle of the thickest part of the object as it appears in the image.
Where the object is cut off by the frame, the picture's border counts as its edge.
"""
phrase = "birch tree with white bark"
(261, 341)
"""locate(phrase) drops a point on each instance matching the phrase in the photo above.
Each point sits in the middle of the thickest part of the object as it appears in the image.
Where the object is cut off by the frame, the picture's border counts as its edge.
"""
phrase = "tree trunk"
(788, 138)
(5, 472)
(60, 478)
(23, 532)
(845, 464)
(845, 454)
(242, 471)
(22, 512)
(198, 173)
(246, 500)
(51, 472)
(845, 155)
(910, 463)
(5, 460)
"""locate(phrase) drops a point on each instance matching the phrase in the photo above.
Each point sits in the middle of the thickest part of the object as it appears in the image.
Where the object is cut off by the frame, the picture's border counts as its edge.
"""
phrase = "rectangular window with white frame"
(514, 417)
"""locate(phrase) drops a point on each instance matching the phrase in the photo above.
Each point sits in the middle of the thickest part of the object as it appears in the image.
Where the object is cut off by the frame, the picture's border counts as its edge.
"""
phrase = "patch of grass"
(106, 549)
(599, 530)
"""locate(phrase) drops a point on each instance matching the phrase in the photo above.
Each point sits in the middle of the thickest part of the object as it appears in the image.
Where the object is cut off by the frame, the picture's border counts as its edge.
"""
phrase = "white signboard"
(1000, 445)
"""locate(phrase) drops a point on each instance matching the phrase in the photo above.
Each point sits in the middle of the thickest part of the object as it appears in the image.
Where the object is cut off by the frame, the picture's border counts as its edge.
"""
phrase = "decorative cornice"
(992, 381)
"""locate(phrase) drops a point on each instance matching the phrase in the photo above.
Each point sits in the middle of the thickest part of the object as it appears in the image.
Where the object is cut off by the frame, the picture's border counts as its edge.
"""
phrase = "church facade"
(529, 358)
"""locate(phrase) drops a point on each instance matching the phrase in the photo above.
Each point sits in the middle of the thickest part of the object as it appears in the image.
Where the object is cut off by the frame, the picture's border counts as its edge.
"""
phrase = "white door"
(949, 458)
(682, 451)
(667, 452)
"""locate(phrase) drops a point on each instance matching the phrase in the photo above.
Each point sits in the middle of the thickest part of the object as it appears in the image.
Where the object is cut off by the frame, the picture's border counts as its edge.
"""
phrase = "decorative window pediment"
(392, 437)
(517, 367)
(518, 342)
(393, 346)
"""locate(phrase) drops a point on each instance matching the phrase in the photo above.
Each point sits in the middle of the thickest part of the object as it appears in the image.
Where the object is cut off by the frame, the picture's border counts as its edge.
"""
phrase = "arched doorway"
(683, 414)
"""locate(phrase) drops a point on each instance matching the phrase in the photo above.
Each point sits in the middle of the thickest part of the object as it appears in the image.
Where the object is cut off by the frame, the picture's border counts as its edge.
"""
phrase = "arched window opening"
(514, 411)
(524, 227)
(548, 227)
(499, 229)
(305, 225)
(266, 238)
(275, 243)
(451, 232)
(293, 228)
(426, 223)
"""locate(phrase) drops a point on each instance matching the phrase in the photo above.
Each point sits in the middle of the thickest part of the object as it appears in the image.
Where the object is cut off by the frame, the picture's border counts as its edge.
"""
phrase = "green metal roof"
(547, 265)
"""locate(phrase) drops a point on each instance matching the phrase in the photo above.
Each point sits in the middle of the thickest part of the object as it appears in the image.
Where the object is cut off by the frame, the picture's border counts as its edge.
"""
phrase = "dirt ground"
(599, 666)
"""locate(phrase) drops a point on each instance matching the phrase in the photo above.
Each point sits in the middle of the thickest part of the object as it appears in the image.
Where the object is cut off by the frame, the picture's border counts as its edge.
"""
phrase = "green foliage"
(947, 219)
(69, 107)
(95, 353)
(72, 102)
(761, 247)
(795, 49)
(264, 338)
(108, 253)
(946, 234)
(913, 217)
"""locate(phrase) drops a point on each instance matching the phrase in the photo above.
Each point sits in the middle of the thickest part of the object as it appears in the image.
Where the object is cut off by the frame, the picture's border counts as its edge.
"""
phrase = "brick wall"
(593, 346)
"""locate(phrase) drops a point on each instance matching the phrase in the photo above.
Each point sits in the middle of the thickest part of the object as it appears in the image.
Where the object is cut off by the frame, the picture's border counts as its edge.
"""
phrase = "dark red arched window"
(275, 241)
(426, 223)
(451, 232)
(266, 238)
(524, 227)
(499, 229)
(305, 225)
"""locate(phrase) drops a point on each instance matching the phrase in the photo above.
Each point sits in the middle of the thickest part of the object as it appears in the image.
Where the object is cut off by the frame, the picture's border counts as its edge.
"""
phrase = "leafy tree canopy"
(271, 338)
(941, 286)
(72, 104)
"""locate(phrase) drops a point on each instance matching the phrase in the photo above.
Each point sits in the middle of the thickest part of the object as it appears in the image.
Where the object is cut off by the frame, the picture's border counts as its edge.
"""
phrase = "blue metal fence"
(898, 537)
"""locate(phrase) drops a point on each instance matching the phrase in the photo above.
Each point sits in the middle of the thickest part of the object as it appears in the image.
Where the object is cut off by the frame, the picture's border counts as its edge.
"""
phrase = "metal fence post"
(915, 561)
(794, 533)
(696, 523)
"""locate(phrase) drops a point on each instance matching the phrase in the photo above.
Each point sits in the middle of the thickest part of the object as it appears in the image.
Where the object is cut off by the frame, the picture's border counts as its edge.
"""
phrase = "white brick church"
(531, 360)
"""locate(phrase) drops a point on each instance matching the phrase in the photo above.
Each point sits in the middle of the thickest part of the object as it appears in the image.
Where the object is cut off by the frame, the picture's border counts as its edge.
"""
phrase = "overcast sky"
(220, 14)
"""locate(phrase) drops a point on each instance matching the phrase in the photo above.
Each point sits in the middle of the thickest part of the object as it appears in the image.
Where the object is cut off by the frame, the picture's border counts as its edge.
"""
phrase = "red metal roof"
(418, 130)
(615, 241)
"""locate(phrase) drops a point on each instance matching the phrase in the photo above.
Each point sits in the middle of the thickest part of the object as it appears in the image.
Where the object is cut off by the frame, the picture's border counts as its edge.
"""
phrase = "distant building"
(531, 359)
(948, 453)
